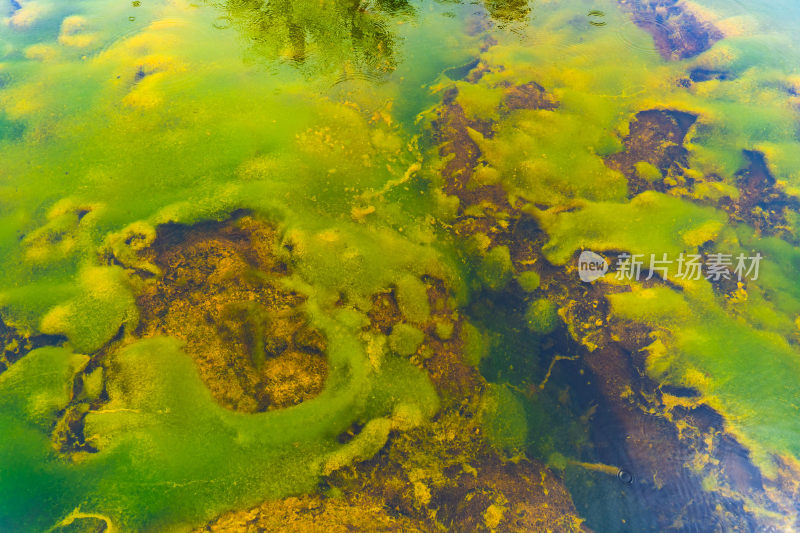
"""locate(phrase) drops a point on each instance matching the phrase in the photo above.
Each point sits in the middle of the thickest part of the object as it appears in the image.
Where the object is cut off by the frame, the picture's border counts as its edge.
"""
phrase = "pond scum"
(311, 266)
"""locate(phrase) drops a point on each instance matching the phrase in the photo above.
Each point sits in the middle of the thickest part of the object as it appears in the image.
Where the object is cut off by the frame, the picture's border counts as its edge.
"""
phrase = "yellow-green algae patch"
(678, 226)
(169, 454)
(731, 348)
(343, 180)
(163, 127)
(698, 346)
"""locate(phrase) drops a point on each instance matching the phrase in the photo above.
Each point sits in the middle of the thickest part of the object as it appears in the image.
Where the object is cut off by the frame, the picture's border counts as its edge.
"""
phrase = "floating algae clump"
(604, 226)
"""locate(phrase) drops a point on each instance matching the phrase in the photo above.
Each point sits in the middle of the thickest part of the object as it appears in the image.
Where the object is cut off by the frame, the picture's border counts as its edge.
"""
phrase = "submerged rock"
(220, 291)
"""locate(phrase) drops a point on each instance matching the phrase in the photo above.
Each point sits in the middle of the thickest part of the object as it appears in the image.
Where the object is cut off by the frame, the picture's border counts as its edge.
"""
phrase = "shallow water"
(323, 264)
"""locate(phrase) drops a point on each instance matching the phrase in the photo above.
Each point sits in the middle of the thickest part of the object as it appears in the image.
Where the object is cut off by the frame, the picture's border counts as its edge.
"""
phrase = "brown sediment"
(314, 514)
(677, 31)
(451, 134)
(529, 95)
(451, 496)
(761, 203)
(656, 137)
(220, 292)
(446, 477)
(15, 345)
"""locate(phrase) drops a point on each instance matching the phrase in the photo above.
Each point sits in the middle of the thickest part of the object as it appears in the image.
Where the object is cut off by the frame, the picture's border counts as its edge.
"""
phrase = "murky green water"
(399, 266)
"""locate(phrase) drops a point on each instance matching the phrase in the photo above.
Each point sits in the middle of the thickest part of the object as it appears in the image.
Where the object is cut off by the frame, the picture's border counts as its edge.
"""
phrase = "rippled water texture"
(323, 265)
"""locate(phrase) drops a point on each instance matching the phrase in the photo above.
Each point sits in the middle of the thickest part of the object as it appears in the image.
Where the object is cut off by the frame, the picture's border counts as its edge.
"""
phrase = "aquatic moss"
(529, 280)
(542, 316)
(503, 419)
(405, 339)
(495, 269)
(412, 299)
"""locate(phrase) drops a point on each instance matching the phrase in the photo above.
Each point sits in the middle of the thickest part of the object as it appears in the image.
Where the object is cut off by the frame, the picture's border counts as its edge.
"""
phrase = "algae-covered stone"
(503, 419)
(412, 299)
(444, 329)
(529, 281)
(647, 171)
(405, 339)
(542, 316)
(496, 268)
(476, 344)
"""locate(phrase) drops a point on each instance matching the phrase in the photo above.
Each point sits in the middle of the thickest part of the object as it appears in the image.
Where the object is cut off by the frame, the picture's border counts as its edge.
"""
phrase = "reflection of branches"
(327, 35)
(322, 35)
(504, 11)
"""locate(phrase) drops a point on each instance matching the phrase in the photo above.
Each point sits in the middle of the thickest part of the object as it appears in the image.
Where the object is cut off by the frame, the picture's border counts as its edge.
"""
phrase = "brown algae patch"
(220, 292)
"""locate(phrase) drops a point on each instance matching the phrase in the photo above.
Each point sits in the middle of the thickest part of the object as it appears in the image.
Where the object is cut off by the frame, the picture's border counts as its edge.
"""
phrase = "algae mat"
(399, 265)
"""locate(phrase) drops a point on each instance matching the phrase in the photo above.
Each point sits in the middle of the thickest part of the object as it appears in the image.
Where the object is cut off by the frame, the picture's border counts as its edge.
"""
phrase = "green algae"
(168, 453)
(503, 418)
(495, 269)
(529, 280)
(716, 355)
(345, 183)
(412, 299)
(607, 226)
(476, 344)
(648, 171)
(405, 339)
(104, 304)
(542, 316)
(704, 341)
